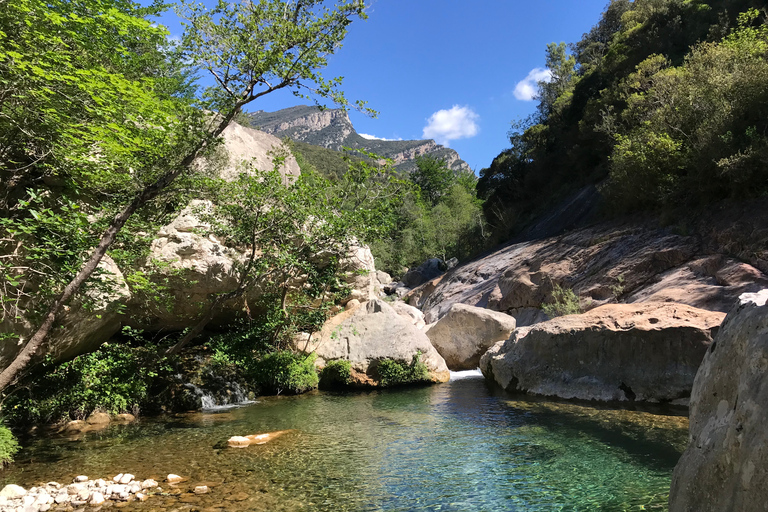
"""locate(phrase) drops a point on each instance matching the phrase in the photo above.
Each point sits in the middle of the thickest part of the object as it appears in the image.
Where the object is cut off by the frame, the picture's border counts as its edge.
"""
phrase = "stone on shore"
(465, 333)
(12, 491)
(725, 466)
(618, 352)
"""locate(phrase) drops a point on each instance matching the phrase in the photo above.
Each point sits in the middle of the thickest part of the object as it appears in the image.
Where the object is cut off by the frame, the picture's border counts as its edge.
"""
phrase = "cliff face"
(332, 129)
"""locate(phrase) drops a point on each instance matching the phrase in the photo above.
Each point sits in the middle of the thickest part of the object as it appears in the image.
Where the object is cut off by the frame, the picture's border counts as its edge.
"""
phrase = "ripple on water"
(451, 447)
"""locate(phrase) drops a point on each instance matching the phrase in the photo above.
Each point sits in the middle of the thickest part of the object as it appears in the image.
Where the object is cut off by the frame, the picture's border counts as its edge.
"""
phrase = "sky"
(456, 71)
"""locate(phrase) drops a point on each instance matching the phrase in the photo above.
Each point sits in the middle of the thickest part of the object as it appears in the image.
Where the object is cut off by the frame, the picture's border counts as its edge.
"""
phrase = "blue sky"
(447, 69)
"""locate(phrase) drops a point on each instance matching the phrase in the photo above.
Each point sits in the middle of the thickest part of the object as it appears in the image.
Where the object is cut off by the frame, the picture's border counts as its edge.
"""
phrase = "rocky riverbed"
(83, 491)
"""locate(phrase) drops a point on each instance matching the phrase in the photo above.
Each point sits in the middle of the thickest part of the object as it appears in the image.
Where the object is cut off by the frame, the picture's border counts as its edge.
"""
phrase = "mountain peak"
(332, 129)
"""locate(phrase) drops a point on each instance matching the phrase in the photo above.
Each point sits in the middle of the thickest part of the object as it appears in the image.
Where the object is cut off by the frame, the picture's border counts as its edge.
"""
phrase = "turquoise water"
(458, 446)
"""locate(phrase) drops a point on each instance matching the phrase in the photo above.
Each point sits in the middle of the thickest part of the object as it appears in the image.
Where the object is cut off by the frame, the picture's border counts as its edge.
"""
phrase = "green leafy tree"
(433, 177)
(250, 49)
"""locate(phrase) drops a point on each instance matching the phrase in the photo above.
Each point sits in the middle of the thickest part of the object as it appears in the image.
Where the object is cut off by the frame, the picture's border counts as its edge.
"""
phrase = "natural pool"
(458, 446)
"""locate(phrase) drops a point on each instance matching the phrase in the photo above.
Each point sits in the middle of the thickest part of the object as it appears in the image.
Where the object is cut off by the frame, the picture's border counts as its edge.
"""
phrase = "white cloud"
(527, 89)
(373, 137)
(447, 125)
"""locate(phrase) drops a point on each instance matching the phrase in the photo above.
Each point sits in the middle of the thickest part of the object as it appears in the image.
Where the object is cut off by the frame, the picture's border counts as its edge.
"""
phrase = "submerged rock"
(725, 466)
(465, 333)
(643, 352)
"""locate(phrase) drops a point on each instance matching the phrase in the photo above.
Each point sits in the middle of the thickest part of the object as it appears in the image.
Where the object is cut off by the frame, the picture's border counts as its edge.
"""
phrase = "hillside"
(332, 129)
(661, 105)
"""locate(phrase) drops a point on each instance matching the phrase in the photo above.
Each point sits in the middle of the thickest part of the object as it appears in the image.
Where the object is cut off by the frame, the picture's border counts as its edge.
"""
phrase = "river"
(459, 446)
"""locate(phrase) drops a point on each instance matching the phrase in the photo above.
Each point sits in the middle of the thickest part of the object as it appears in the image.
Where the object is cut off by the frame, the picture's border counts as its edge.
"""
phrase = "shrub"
(286, 372)
(395, 373)
(336, 374)
(564, 302)
(8, 446)
(116, 378)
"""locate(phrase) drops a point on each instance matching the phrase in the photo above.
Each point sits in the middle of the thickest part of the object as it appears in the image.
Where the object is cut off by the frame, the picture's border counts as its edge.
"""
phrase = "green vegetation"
(564, 302)
(394, 373)
(114, 379)
(336, 374)
(284, 372)
(663, 103)
(8, 446)
(102, 121)
(441, 216)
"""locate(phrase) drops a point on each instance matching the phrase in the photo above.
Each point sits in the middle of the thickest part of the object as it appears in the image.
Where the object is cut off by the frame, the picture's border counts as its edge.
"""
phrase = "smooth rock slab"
(617, 352)
(725, 466)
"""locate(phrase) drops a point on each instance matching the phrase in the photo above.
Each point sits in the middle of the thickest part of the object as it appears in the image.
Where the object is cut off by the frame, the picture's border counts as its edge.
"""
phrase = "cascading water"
(227, 394)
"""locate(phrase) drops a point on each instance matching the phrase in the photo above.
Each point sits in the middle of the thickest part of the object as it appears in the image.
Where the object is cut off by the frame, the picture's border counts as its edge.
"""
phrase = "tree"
(562, 68)
(250, 49)
(297, 238)
(433, 177)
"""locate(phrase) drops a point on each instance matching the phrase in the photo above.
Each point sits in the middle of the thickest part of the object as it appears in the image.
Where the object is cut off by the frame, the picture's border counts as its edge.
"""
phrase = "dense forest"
(662, 104)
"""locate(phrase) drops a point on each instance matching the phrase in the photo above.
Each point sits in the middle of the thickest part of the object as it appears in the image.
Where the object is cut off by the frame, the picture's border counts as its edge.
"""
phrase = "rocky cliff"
(332, 129)
(725, 466)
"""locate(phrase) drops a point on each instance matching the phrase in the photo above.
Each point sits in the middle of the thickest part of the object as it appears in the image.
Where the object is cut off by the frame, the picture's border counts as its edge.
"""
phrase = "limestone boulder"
(413, 314)
(91, 319)
(360, 273)
(617, 352)
(196, 264)
(371, 332)
(725, 466)
(465, 333)
(256, 149)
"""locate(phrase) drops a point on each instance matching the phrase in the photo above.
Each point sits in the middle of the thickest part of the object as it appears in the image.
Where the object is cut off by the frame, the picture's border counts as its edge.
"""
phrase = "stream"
(459, 446)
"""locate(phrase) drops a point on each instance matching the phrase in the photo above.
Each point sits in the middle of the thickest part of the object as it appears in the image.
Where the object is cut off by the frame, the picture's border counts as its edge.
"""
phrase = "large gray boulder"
(367, 333)
(725, 466)
(92, 318)
(617, 352)
(465, 333)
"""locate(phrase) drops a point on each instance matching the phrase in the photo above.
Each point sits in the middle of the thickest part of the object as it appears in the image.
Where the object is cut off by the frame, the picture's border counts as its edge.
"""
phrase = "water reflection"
(456, 446)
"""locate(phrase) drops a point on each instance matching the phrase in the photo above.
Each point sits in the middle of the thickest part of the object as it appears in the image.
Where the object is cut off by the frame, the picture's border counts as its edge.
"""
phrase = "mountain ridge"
(332, 129)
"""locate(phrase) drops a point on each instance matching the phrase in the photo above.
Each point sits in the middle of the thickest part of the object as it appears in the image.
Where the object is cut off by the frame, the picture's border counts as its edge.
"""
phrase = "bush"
(336, 374)
(286, 372)
(8, 446)
(564, 302)
(116, 378)
(395, 373)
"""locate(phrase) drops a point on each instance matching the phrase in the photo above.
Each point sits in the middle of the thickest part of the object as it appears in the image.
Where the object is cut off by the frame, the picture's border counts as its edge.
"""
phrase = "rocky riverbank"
(121, 488)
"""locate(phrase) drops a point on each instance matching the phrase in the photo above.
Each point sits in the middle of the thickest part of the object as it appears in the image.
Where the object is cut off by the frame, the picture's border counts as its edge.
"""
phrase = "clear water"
(458, 446)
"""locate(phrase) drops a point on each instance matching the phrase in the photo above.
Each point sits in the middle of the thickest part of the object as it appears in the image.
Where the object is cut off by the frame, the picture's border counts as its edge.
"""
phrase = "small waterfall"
(233, 395)
(467, 374)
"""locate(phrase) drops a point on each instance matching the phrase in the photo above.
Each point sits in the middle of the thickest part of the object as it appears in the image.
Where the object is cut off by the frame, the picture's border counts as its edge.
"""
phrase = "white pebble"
(148, 484)
(13, 491)
(81, 478)
(97, 498)
(126, 479)
(117, 478)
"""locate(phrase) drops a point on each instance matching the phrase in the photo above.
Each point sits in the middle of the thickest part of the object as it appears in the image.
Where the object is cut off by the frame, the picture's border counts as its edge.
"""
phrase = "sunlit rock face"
(370, 332)
(618, 352)
(725, 466)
